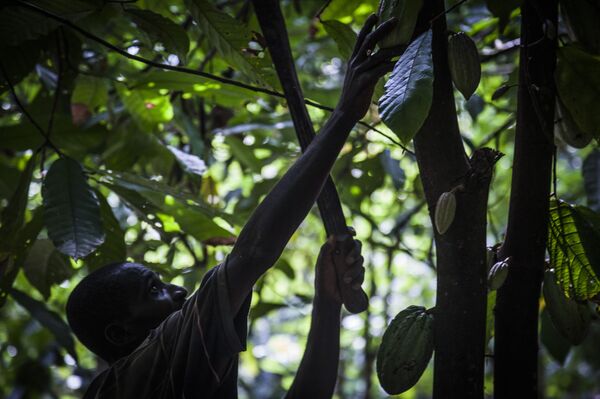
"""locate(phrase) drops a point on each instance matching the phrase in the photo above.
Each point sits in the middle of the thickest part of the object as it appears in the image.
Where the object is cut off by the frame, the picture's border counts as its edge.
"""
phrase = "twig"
(509, 122)
(190, 71)
(447, 11)
(11, 88)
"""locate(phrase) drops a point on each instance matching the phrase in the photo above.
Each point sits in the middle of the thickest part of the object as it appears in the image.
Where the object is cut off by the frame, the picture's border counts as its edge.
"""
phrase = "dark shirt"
(192, 354)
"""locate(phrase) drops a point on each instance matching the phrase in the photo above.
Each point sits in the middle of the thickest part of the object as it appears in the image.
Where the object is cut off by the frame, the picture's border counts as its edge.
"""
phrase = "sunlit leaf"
(71, 210)
(409, 90)
(343, 35)
(190, 163)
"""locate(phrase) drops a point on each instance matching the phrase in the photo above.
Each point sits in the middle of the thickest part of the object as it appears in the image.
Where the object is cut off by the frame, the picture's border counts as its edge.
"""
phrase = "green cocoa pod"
(463, 60)
(571, 318)
(406, 11)
(405, 350)
(566, 128)
(498, 273)
(445, 209)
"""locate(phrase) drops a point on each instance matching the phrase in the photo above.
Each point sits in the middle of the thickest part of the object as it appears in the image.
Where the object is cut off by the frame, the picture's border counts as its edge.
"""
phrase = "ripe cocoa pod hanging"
(405, 350)
(406, 11)
(445, 209)
(566, 128)
(463, 60)
(498, 274)
(571, 319)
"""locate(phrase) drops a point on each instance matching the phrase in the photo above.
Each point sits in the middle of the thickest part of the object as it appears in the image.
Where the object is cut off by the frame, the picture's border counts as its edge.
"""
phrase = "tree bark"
(460, 311)
(273, 27)
(516, 324)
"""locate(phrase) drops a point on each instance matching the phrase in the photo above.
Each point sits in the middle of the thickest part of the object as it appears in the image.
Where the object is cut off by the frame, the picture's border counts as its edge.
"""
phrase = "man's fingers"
(383, 55)
(354, 252)
(366, 29)
(354, 276)
(375, 36)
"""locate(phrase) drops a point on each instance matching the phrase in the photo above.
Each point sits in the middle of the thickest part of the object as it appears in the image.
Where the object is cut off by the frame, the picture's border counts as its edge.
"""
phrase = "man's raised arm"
(270, 227)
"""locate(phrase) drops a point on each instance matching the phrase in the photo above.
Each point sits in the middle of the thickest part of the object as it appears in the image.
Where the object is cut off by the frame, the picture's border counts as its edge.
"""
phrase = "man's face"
(152, 300)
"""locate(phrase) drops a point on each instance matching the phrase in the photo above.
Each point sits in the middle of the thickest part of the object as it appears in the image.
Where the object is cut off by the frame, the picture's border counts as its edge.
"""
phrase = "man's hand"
(340, 262)
(366, 67)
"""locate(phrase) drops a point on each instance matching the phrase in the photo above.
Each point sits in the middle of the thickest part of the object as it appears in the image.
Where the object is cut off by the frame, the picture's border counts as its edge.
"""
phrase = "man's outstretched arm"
(270, 227)
(317, 374)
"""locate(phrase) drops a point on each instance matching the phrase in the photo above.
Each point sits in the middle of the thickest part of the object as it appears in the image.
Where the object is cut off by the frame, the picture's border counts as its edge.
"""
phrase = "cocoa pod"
(571, 318)
(405, 350)
(445, 209)
(406, 11)
(463, 60)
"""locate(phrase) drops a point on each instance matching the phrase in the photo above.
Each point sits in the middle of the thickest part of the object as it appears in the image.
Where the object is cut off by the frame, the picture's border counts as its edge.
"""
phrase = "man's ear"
(118, 334)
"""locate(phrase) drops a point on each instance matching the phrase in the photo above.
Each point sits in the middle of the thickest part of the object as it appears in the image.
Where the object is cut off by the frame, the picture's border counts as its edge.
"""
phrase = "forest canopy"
(149, 130)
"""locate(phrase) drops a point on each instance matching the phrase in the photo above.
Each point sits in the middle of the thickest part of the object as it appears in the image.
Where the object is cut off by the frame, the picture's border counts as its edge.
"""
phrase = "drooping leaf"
(232, 40)
(574, 251)
(47, 318)
(557, 346)
(160, 29)
(190, 163)
(342, 35)
(393, 169)
(113, 249)
(261, 309)
(13, 215)
(578, 84)
(45, 267)
(71, 210)
(591, 179)
(409, 91)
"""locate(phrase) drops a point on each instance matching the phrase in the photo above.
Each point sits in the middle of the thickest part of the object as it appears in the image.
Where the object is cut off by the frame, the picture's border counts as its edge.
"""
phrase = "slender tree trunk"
(460, 312)
(516, 335)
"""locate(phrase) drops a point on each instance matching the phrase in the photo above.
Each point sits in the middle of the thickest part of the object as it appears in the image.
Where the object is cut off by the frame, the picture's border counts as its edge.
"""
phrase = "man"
(160, 345)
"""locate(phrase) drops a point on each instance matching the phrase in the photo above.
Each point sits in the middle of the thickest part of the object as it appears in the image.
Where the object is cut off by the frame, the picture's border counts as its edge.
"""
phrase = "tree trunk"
(460, 311)
(516, 335)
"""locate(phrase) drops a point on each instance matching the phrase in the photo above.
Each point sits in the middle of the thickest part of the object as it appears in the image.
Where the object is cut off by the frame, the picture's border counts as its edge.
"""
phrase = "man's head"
(113, 309)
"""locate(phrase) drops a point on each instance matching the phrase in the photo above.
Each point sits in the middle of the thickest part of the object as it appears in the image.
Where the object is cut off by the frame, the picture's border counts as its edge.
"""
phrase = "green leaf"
(393, 169)
(557, 346)
(71, 210)
(189, 162)
(147, 108)
(45, 267)
(160, 29)
(343, 35)
(502, 9)
(91, 91)
(47, 318)
(573, 248)
(409, 91)
(337, 9)
(578, 84)
(490, 316)
(591, 179)
(243, 154)
(261, 309)
(232, 41)
(22, 60)
(13, 215)
(113, 249)
(194, 217)
(581, 18)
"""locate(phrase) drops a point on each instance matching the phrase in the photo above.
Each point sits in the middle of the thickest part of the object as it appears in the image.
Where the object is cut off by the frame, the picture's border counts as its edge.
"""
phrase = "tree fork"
(516, 332)
(273, 28)
(460, 312)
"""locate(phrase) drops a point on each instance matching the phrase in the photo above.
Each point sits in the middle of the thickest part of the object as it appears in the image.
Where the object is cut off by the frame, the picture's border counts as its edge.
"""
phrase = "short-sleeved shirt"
(192, 354)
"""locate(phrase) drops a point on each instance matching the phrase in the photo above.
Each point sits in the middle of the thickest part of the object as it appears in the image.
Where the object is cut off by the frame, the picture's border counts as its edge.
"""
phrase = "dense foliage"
(149, 130)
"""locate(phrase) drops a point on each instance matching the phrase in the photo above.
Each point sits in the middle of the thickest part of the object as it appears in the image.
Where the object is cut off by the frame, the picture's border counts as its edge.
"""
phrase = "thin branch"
(509, 122)
(11, 88)
(190, 71)
(447, 11)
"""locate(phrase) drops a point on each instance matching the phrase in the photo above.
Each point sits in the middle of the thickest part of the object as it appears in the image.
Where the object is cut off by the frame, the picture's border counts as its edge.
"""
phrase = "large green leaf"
(591, 179)
(71, 210)
(232, 40)
(342, 35)
(47, 318)
(574, 252)
(578, 84)
(45, 267)
(409, 91)
(113, 249)
(91, 91)
(160, 29)
(147, 107)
